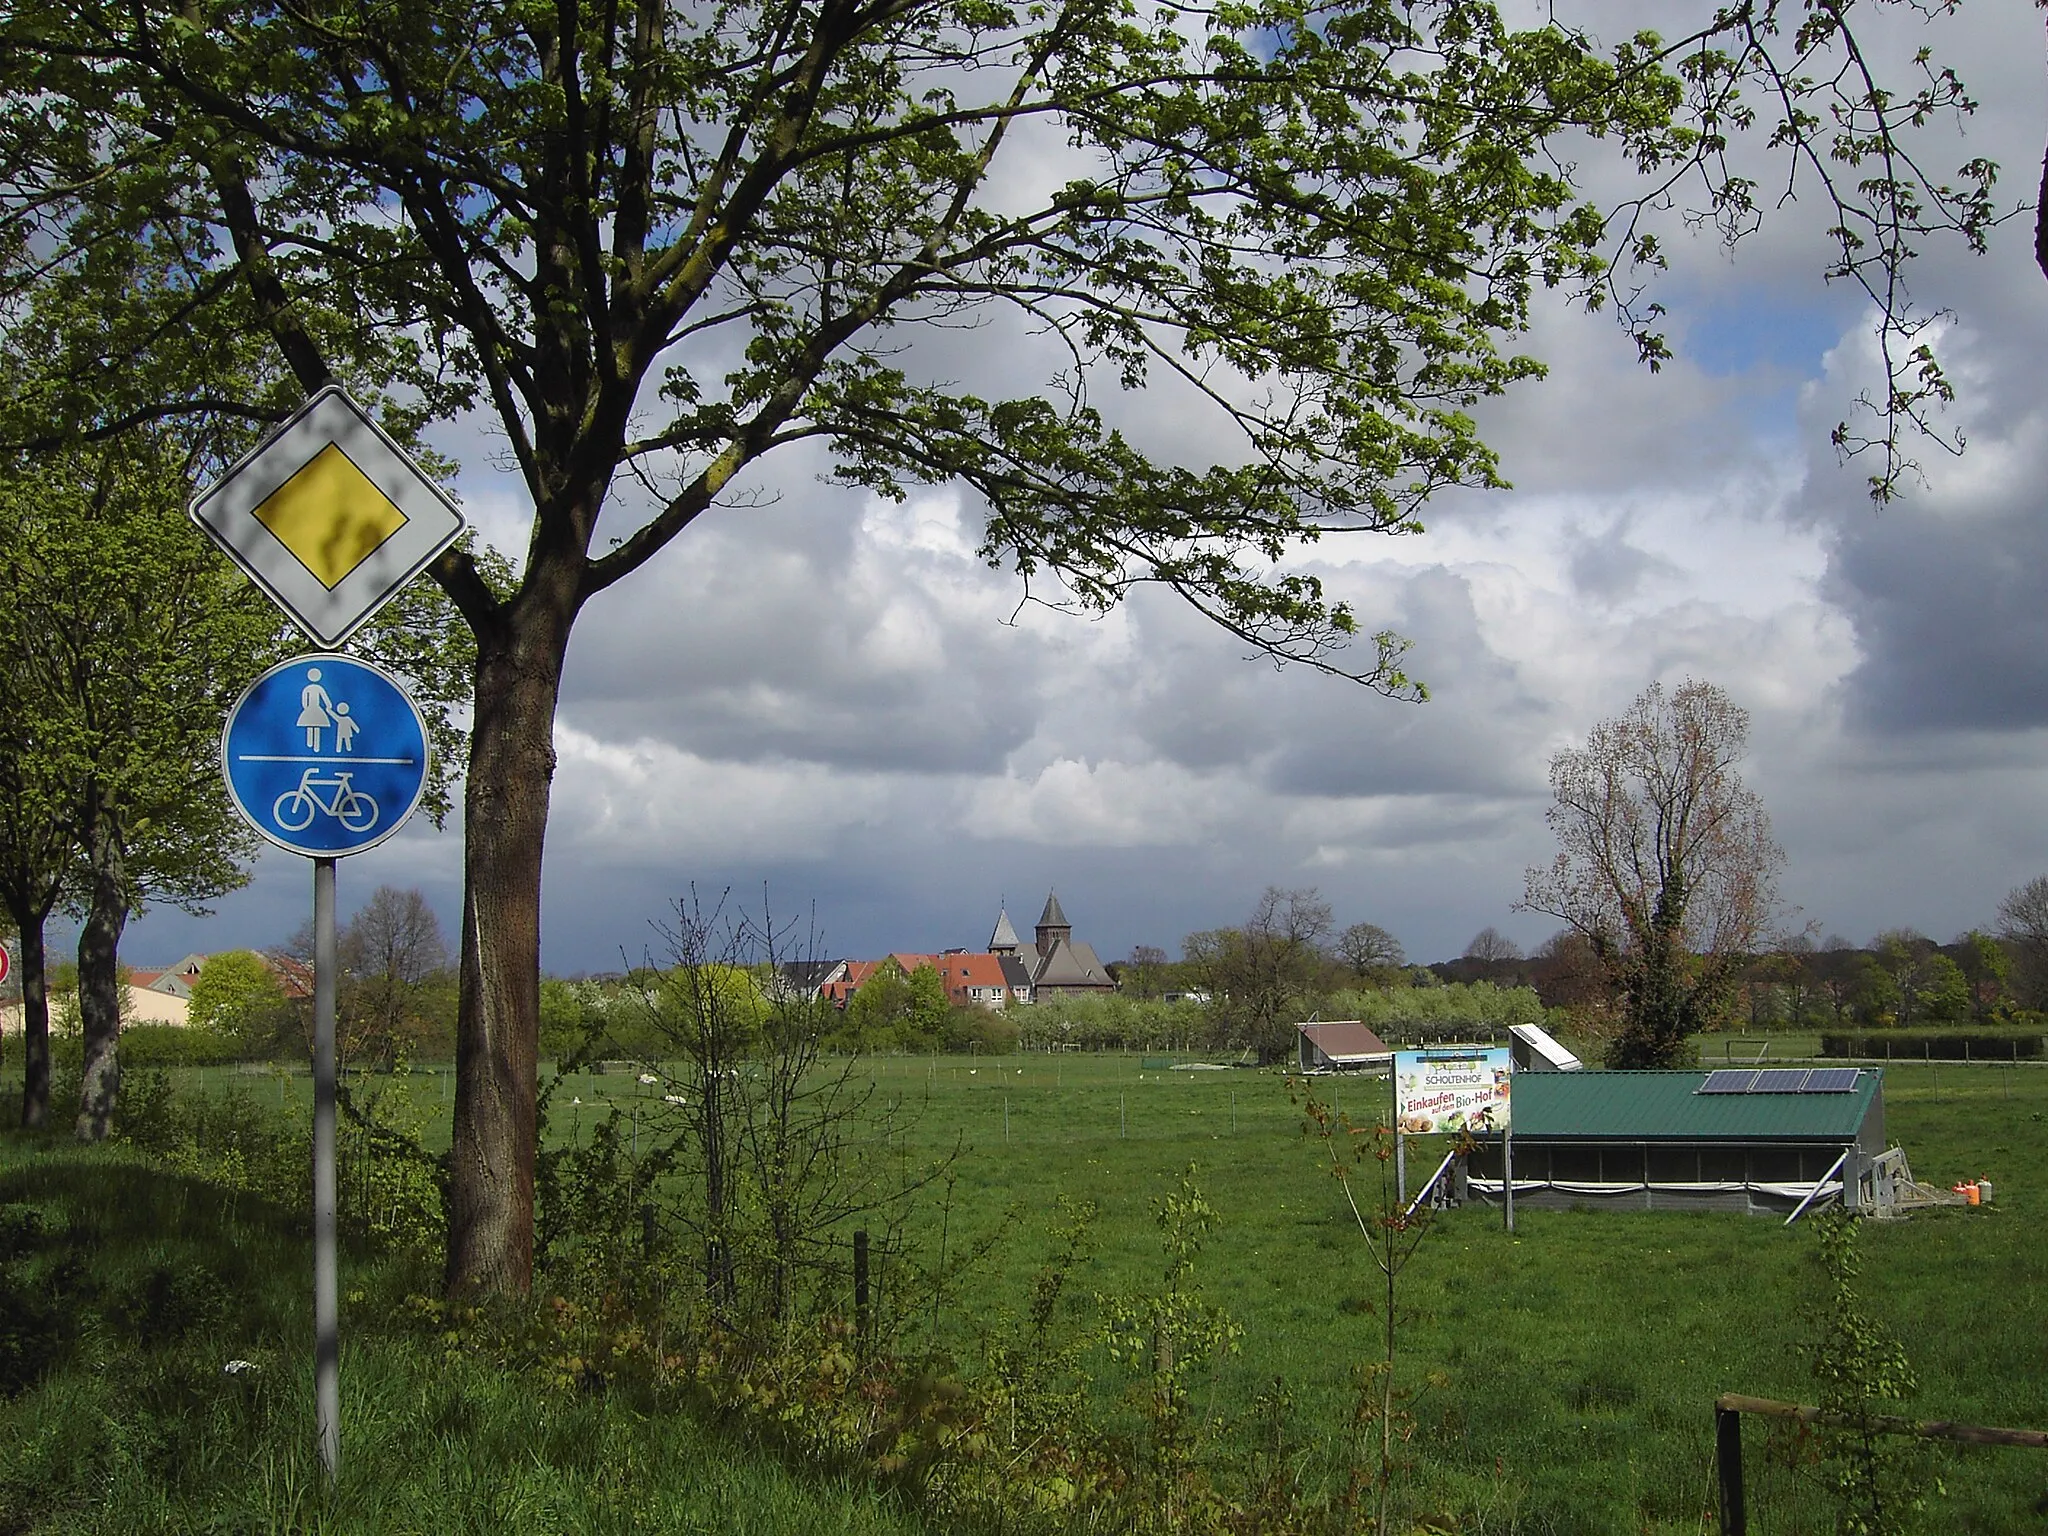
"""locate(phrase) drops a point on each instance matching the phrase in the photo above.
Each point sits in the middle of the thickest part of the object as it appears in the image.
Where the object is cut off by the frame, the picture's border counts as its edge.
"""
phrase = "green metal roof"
(1668, 1106)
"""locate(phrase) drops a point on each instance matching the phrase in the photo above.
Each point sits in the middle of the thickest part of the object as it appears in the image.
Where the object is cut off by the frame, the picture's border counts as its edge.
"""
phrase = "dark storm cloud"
(1952, 621)
(1944, 586)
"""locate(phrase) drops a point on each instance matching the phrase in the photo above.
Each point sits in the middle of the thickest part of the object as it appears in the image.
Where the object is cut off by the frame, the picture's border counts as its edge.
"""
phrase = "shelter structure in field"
(1780, 1139)
(1343, 1045)
(1535, 1049)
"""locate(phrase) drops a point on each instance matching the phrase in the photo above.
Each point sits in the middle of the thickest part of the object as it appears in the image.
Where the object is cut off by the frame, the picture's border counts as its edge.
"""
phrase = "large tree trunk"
(99, 980)
(497, 1032)
(35, 1023)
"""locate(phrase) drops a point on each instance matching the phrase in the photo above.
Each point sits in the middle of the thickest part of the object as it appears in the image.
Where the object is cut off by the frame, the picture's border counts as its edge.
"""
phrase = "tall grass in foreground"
(155, 1376)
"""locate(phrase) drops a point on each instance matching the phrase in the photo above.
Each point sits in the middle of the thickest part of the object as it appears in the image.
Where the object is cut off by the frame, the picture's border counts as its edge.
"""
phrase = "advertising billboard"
(1452, 1090)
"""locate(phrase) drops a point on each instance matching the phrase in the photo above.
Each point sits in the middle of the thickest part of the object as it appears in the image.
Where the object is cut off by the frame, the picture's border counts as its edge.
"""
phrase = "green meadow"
(1562, 1378)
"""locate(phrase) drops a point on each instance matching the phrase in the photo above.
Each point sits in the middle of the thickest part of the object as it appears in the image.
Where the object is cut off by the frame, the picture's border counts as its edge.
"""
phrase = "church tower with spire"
(1004, 940)
(1053, 927)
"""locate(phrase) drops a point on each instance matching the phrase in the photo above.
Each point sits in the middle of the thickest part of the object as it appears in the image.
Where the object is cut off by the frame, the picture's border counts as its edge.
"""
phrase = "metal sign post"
(325, 756)
(326, 1287)
(1507, 1176)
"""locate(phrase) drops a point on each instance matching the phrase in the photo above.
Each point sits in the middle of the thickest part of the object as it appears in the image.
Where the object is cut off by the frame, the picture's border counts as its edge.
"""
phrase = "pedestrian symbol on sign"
(318, 712)
(314, 707)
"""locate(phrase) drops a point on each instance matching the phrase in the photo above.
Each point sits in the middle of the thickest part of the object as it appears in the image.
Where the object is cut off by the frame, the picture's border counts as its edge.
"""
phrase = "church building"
(1059, 966)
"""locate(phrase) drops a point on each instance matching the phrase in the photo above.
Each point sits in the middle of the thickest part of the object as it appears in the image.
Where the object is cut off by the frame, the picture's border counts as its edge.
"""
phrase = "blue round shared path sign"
(325, 755)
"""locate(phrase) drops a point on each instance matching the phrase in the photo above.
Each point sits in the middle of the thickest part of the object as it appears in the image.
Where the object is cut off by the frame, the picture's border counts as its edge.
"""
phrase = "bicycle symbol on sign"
(346, 804)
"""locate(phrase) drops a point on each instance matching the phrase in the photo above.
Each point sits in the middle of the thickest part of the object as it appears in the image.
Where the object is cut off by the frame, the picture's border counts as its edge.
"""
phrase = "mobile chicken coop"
(1765, 1140)
(1343, 1045)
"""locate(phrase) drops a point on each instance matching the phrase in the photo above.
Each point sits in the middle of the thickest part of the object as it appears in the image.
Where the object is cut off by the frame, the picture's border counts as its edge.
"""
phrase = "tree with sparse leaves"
(2023, 924)
(1490, 946)
(391, 954)
(1373, 954)
(1665, 865)
(1260, 973)
(661, 244)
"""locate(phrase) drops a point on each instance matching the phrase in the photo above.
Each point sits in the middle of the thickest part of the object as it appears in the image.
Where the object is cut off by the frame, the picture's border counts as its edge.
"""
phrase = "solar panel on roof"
(1780, 1080)
(1832, 1080)
(1725, 1081)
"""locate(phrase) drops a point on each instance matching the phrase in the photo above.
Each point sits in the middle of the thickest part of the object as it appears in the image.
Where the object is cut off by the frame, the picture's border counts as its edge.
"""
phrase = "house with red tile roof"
(974, 978)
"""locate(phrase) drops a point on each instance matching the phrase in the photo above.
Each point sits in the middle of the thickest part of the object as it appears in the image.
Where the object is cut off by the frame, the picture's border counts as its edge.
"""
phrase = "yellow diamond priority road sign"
(329, 517)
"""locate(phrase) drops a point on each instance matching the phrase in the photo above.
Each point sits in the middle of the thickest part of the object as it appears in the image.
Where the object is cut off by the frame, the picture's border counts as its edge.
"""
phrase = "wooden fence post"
(1728, 1461)
(860, 1288)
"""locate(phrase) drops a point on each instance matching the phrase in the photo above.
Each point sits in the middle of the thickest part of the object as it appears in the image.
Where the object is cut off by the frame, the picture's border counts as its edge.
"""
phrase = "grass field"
(1578, 1360)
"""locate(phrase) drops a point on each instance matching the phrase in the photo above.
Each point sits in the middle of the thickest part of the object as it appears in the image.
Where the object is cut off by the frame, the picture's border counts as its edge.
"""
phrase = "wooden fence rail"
(1731, 1406)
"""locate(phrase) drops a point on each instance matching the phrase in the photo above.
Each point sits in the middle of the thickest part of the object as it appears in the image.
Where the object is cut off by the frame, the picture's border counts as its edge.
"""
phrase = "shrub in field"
(1167, 1338)
(170, 1045)
(1878, 1483)
(983, 1031)
(390, 1189)
(1392, 1232)
(225, 1138)
(768, 1148)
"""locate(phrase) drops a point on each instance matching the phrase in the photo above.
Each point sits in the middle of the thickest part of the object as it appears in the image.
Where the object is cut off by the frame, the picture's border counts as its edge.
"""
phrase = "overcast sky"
(828, 695)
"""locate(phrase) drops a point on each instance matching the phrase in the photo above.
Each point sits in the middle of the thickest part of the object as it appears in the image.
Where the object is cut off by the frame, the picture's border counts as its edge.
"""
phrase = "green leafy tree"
(929, 1009)
(1927, 987)
(1987, 969)
(1665, 865)
(565, 1017)
(37, 864)
(134, 637)
(1941, 991)
(663, 243)
(876, 1008)
(1873, 993)
(132, 633)
(893, 1008)
(237, 994)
